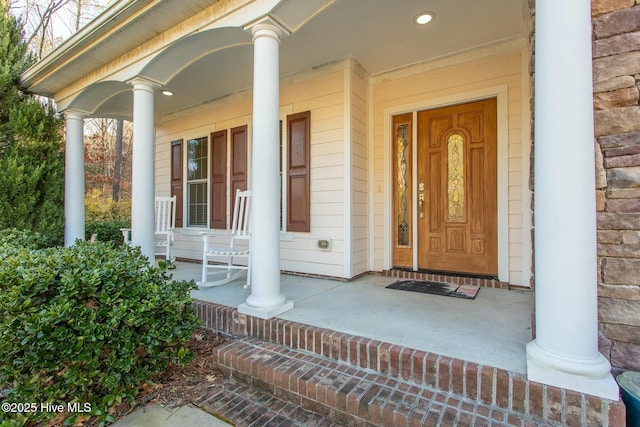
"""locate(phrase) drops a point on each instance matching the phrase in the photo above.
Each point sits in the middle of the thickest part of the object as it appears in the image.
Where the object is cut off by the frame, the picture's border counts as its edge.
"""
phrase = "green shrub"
(105, 217)
(106, 231)
(24, 239)
(86, 324)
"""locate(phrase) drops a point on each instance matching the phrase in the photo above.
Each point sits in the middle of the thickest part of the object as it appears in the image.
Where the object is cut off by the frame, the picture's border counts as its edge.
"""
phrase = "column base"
(265, 312)
(585, 376)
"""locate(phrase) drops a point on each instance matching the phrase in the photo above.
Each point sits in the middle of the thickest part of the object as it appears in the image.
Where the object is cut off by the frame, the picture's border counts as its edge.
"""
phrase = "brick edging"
(447, 278)
(489, 385)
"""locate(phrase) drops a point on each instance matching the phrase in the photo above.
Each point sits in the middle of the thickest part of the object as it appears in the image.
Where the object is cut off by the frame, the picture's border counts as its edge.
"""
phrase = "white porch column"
(74, 178)
(565, 351)
(265, 300)
(142, 169)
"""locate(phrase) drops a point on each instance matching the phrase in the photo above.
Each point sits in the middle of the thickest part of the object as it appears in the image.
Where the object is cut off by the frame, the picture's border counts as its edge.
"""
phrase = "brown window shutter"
(218, 199)
(238, 161)
(298, 172)
(176, 178)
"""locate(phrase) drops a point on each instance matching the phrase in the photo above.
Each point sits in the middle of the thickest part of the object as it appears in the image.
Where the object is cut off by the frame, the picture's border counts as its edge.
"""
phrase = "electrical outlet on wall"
(324, 244)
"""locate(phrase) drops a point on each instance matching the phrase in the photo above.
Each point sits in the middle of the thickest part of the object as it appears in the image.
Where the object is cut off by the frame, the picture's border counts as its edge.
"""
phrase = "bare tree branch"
(48, 22)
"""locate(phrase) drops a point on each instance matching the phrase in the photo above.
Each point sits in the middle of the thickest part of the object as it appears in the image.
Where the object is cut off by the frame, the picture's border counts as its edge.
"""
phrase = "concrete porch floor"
(491, 330)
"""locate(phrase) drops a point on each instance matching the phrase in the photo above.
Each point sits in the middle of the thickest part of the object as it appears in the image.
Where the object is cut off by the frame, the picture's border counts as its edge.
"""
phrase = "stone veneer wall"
(616, 74)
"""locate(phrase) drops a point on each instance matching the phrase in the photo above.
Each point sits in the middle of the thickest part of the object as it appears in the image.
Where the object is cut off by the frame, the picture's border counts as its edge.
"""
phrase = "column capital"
(74, 114)
(267, 26)
(143, 83)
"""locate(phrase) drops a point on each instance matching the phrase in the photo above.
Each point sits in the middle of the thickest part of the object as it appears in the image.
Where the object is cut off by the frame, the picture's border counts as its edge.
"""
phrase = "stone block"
(610, 236)
(610, 143)
(625, 292)
(623, 205)
(599, 7)
(622, 161)
(621, 271)
(624, 64)
(623, 151)
(615, 83)
(631, 237)
(626, 97)
(618, 250)
(615, 45)
(622, 333)
(601, 174)
(601, 200)
(617, 120)
(604, 345)
(623, 193)
(625, 356)
(617, 22)
(617, 221)
(619, 311)
(624, 177)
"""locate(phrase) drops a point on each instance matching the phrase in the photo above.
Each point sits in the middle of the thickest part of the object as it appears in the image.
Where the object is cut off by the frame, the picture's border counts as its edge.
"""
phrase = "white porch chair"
(240, 230)
(165, 224)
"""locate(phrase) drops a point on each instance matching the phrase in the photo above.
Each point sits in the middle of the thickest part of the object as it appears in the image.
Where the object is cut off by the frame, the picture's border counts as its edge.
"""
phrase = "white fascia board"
(110, 18)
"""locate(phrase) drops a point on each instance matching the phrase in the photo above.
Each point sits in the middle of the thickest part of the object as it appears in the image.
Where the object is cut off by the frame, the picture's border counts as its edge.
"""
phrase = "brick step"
(486, 386)
(247, 406)
(354, 396)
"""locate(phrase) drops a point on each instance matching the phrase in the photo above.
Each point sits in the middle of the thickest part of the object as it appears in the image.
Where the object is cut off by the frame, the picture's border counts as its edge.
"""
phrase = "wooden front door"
(457, 189)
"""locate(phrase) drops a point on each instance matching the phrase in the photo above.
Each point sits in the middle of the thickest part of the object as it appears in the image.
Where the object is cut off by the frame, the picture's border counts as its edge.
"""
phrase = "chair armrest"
(205, 237)
(206, 234)
(126, 235)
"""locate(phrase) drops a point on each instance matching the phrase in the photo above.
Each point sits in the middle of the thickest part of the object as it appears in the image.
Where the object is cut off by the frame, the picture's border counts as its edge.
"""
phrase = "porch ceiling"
(380, 34)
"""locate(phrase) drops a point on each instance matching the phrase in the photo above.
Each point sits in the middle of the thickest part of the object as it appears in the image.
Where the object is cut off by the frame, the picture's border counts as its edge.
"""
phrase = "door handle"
(421, 205)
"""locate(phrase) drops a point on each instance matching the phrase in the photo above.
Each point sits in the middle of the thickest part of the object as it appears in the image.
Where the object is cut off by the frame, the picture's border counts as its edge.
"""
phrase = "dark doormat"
(436, 288)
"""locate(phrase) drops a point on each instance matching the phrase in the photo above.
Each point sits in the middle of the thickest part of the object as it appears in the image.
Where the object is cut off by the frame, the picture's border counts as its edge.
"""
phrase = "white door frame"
(501, 93)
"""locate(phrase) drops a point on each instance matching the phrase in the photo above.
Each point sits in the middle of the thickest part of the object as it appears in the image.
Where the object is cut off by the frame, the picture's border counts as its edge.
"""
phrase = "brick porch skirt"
(517, 401)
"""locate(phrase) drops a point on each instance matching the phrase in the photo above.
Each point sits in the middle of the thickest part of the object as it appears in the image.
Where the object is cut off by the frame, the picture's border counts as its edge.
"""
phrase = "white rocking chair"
(165, 224)
(240, 230)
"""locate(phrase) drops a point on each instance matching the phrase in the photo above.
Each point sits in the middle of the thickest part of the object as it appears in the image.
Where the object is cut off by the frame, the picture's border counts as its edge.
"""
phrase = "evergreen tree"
(31, 155)
(13, 60)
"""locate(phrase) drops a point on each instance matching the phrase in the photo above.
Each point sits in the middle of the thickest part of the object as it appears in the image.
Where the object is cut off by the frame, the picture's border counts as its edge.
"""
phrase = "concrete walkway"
(157, 416)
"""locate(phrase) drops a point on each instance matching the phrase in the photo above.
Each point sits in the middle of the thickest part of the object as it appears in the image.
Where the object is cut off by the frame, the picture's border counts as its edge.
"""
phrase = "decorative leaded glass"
(402, 184)
(455, 178)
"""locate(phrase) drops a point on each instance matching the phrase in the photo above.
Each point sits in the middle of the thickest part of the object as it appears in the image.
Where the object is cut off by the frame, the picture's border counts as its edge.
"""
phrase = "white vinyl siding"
(321, 92)
(349, 150)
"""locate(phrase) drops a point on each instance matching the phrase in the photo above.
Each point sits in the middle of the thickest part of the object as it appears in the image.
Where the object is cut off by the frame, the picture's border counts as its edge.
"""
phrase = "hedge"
(86, 324)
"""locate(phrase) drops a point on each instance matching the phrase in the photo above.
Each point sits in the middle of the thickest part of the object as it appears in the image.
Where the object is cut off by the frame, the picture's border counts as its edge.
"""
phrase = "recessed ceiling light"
(424, 18)
(167, 93)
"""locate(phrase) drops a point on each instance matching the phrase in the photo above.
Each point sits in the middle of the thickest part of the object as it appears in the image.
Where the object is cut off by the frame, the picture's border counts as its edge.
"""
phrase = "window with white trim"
(197, 174)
